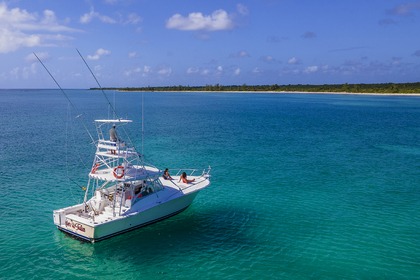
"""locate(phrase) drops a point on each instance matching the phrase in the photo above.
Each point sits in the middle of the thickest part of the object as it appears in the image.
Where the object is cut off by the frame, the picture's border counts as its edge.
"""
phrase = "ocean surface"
(304, 186)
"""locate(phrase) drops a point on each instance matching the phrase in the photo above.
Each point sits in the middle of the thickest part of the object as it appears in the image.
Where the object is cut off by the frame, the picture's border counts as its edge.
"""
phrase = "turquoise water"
(304, 186)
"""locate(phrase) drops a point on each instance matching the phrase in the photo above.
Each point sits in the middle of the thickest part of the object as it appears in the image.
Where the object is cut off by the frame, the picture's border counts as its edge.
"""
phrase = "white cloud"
(218, 20)
(22, 72)
(18, 27)
(49, 17)
(240, 54)
(237, 71)
(88, 17)
(15, 15)
(293, 60)
(98, 54)
(147, 69)
(268, 58)
(311, 69)
(165, 71)
(14, 73)
(27, 72)
(243, 54)
(43, 56)
(133, 19)
(132, 54)
(13, 40)
(133, 71)
(242, 10)
(192, 70)
(219, 70)
(405, 9)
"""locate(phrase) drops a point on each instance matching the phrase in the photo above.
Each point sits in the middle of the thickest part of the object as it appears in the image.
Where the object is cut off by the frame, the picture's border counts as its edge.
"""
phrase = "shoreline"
(280, 92)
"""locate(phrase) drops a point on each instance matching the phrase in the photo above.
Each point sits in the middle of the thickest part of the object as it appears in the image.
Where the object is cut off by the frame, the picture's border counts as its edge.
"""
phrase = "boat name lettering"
(77, 226)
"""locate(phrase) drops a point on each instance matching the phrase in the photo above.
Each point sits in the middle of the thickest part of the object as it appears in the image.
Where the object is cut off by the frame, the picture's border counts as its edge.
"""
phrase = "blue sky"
(190, 42)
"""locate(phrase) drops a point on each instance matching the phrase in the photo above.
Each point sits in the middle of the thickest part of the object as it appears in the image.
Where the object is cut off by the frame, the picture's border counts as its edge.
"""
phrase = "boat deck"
(199, 183)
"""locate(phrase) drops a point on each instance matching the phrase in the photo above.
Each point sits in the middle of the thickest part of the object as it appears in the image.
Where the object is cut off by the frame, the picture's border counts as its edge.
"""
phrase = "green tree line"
(350, 88)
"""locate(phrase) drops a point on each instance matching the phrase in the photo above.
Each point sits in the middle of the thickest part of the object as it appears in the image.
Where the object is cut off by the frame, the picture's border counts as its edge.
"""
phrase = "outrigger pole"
(65, 94)
(90, 70)
(103, 92)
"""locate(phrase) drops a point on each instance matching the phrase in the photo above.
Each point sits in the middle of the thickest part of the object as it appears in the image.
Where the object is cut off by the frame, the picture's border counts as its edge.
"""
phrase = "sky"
(138, 43)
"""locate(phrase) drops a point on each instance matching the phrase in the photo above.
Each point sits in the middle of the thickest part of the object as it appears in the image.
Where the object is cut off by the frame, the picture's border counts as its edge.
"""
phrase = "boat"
(124, 193)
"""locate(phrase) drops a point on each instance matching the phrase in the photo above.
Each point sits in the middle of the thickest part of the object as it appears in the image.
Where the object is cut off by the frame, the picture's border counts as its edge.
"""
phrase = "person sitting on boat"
(166, 175)
(184, 178)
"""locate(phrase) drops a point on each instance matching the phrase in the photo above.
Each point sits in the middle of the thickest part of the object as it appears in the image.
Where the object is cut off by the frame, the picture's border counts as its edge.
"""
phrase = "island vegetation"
(385, 88)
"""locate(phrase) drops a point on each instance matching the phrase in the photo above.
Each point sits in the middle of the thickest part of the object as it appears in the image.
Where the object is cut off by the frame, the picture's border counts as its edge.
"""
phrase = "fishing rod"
(67, 97)
(100, 87)
(83, 188)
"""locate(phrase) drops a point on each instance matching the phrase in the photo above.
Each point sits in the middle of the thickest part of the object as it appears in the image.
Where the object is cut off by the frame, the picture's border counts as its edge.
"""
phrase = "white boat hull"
(124, 193)
(97, 232)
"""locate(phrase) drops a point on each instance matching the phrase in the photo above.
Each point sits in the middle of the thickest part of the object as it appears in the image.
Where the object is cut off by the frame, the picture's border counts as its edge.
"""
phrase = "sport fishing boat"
(124, 193)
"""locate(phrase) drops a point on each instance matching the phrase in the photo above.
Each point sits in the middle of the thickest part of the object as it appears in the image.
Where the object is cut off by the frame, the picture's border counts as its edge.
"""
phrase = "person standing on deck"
(113, 134)
(113, 137)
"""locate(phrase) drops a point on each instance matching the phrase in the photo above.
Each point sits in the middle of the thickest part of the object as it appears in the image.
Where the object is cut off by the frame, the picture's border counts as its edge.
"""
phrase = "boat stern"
(67, 221)
(58, 216)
